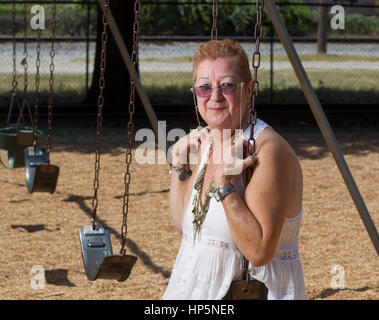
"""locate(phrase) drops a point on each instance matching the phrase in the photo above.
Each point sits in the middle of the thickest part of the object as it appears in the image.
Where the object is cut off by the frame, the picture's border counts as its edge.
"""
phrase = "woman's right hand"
(188, 144)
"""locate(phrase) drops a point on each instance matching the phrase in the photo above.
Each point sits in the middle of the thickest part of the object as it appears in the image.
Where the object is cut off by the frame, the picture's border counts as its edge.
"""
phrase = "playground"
(110, 220)
(40, 229)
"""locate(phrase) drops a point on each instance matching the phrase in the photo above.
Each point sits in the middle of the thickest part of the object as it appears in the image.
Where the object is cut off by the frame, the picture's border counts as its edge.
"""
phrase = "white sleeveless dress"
(205, 268)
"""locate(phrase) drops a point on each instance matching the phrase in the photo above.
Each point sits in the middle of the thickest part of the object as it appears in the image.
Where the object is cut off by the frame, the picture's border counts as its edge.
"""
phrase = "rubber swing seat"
(40, 176)
(15, 139)
(98, 258)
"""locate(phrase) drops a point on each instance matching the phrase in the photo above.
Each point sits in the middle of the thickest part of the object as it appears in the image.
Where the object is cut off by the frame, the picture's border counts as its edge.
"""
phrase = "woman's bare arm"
(256, 221)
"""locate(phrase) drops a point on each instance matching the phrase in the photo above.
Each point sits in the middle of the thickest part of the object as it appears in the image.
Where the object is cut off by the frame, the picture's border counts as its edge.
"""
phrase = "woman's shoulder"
(271, 145)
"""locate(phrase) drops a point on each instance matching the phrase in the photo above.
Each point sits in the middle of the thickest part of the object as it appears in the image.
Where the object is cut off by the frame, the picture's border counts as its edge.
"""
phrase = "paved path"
(71, 57)
(325, 65)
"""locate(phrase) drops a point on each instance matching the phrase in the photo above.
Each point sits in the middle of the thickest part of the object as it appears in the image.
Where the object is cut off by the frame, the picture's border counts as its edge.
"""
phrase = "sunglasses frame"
(193, 89)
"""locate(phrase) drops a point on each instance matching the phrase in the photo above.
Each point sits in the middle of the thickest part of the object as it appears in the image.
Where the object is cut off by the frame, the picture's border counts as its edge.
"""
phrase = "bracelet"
(182, 172)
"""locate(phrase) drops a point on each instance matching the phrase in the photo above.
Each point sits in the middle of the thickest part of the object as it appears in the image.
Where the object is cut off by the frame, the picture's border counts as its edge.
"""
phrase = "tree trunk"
(322, 31)
(117, 79)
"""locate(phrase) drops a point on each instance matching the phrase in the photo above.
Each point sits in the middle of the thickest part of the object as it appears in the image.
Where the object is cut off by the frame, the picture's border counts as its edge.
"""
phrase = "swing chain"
(24, 63)
(51, 82)
(214, 32)
(100, 102)
(256, 61)
(128, 160)
(14, 71)
(37, 82)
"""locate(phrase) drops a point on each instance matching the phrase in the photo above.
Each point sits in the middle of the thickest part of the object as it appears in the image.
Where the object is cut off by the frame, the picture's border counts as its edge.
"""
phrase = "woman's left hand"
(232, 161)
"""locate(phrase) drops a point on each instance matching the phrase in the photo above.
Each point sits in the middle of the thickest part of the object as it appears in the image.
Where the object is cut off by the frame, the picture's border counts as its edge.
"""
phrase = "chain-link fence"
(347, 73)
(74, 47)
(334, 75)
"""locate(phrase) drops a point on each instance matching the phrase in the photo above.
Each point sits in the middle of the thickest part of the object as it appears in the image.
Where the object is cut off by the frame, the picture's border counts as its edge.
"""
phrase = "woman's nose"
(216, 94)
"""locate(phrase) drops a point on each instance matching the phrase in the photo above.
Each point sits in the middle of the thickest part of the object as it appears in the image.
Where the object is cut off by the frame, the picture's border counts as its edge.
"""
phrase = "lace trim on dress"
(287, 254)
(208, 242)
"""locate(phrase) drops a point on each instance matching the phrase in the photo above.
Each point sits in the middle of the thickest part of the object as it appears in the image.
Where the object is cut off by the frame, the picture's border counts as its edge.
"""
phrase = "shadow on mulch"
(58, 277)
(133, 247)
(30, 228)
(14, 183)
(329, 292)
(139, 194)
(308, 142)
(354, 139)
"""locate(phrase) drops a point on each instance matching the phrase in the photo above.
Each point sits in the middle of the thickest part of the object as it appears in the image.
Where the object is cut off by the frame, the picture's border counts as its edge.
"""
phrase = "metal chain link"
(24, 62)
(214, 31)
(100, 103)
(37, 82)
(51, 82)
(258, 33)
(25, 65)
(128, 160)
(14, 69)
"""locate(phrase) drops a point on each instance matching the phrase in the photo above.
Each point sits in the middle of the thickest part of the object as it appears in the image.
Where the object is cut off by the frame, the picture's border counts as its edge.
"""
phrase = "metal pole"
(322, 121)
(126, 57)
(87, 48)
(271, 64)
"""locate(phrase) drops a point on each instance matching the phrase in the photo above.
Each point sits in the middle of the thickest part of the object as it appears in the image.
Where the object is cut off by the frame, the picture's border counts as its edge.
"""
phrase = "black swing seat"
(40, 176)
(15, 138)
(98, 258)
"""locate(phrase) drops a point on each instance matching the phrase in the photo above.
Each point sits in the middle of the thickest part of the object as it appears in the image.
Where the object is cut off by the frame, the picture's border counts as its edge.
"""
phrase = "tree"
(322, 30)
(117, 79)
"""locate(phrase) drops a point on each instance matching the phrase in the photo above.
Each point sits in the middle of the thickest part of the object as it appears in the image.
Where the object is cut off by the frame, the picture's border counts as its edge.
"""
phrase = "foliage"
(71, 19)
(299, 20)
(182, 20)
(195, 20)
(362, 25)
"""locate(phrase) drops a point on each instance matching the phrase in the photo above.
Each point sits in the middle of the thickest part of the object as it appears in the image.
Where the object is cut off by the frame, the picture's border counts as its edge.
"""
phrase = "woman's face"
(222, 110)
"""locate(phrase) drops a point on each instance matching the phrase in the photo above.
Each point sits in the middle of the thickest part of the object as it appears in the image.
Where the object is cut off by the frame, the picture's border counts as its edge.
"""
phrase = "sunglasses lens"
(228, 88)
(206, 91)
(203, 91)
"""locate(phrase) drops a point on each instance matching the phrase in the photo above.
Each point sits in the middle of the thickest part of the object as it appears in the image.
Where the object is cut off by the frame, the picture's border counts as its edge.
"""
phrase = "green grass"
(90, 60)
(168, 59)
(68, 88)
(304, 57)
(326, 57)
(332, 86)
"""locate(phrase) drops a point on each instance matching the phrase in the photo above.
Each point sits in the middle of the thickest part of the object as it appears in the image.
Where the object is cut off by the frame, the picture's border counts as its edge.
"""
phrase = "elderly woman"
(222, 220)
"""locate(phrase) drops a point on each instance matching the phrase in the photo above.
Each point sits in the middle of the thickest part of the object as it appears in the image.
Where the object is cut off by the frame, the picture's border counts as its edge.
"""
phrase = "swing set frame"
(312, 99)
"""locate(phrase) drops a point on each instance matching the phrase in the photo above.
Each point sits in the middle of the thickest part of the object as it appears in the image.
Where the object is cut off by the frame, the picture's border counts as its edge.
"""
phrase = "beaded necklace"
(200, 211)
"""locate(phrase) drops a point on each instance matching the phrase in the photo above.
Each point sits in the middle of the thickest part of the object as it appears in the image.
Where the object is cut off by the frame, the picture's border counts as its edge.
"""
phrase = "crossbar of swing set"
(240, 3)
(309, 93)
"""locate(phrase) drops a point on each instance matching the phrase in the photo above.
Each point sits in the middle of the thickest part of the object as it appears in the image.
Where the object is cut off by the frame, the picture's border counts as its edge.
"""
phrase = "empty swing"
(98, 258)
(41, 175)
(14, 137)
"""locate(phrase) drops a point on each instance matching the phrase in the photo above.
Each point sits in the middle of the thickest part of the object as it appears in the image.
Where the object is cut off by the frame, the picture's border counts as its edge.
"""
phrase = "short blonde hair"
(227, 48)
